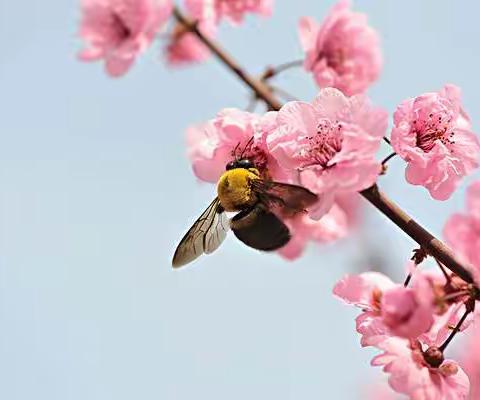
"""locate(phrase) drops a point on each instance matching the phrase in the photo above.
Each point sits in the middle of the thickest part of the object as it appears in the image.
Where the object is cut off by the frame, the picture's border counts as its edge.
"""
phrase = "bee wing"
(291, 199)
(205, 235)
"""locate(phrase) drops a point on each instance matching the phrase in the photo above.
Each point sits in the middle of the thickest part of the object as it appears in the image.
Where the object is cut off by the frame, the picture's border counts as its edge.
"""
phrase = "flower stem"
(445, 273)
(388, 158)
(273, 71)
(426, 240)
(455, 330)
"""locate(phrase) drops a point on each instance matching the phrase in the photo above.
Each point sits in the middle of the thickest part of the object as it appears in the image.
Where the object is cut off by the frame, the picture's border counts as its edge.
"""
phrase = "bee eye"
(230, 165)
(245, 163)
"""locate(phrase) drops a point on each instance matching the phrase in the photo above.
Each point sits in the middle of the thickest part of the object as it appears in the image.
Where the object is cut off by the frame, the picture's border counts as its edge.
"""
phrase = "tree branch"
(426, 240)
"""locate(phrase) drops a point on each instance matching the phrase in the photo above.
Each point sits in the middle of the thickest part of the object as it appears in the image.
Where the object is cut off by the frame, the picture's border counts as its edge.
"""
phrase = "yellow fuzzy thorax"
(234, 188)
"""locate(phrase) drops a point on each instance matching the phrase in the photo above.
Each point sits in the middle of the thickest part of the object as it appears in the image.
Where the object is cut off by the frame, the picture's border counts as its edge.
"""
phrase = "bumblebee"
(259, 203)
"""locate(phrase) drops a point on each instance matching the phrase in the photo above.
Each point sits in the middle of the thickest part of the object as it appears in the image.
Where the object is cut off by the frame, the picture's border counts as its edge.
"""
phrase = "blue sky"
(95, 192)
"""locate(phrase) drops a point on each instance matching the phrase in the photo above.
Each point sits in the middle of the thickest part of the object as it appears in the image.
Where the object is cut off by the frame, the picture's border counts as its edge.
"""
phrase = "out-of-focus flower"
(333, 226)
(344, 52)
(388, 309)
(462, 230)
(232, 10)
(329, 145)
(234, 134)
(119, 30)
(183, 47)
(433, 134)
(470, 361)
(412, 373)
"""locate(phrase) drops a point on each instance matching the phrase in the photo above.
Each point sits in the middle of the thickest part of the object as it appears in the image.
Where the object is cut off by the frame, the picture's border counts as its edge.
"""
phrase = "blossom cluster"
(119, 30)
(327, 146)
(410, 325)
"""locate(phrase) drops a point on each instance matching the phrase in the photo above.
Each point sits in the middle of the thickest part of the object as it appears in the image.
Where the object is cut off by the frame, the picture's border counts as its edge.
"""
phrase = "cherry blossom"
(119, 30)
(421, 373)
(433, 134)
(329, 145)
(388, 309)
(232, 10)
(462, 230)
(343, 52)
(470, 361)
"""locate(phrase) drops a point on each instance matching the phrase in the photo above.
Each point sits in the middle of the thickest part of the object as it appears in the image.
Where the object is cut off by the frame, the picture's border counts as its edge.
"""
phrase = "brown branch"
(433, 246)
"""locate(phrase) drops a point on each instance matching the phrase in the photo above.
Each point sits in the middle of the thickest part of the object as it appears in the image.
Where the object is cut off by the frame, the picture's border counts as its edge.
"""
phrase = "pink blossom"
(470, 361)
(333, 226)
(411, 375)
(344, 52)
(119, 30)
(213, 144)
(433, 134)
(184, 47)
(232, 10)
(462, 230)
(329, 145)
(388, 309)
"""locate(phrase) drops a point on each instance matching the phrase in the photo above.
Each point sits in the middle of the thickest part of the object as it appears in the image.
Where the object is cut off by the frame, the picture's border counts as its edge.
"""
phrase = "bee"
(258, 202)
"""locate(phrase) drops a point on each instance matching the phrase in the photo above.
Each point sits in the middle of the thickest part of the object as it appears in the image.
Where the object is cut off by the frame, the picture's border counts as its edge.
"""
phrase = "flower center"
(323, 146)
(119, 27)
(437, 126)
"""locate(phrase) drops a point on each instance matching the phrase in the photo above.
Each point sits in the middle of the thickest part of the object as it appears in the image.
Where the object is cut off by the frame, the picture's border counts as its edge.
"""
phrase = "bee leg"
(260, 229)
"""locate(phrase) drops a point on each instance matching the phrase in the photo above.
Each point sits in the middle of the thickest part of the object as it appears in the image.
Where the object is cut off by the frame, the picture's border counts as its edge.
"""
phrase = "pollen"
(324, 145)
(434, 127)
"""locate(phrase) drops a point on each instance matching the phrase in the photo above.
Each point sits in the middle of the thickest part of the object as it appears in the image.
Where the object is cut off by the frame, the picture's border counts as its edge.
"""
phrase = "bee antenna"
(234, 152)
(247, 146)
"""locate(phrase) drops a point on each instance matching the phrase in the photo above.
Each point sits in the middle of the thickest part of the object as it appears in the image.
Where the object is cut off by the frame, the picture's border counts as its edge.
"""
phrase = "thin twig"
(283, 67)
(455, 330)
(388, 158)
(424, 238)
(287, 96)
(445, 273)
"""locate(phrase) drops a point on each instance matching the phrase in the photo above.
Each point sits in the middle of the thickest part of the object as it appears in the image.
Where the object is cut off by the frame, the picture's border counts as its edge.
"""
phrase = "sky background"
(96, 191)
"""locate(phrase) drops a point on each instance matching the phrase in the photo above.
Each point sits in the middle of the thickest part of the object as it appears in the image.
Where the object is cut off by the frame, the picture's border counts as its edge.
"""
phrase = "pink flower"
(462, 230)
(329, 145)
(433, 134)
(409, 312)
(470, 361)
(410, 374)
(119, 30)
(344, 52)
(213, 144)
(388, 309)
(333, 226)
(232, 10)
(185, 48)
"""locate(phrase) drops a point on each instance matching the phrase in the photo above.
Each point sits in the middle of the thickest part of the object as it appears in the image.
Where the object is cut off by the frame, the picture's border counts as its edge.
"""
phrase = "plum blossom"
(329, 145)
(343, 52)
(333, 226)
(462, 230)
(183, 47)
(421, 374)
(232, 10)
(119, 30)
(388, 309)
(470, 361)
(433, 134)
(234, 133)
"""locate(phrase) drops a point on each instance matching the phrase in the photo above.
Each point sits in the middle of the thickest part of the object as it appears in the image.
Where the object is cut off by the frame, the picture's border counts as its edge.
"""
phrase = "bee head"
(241, 163)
